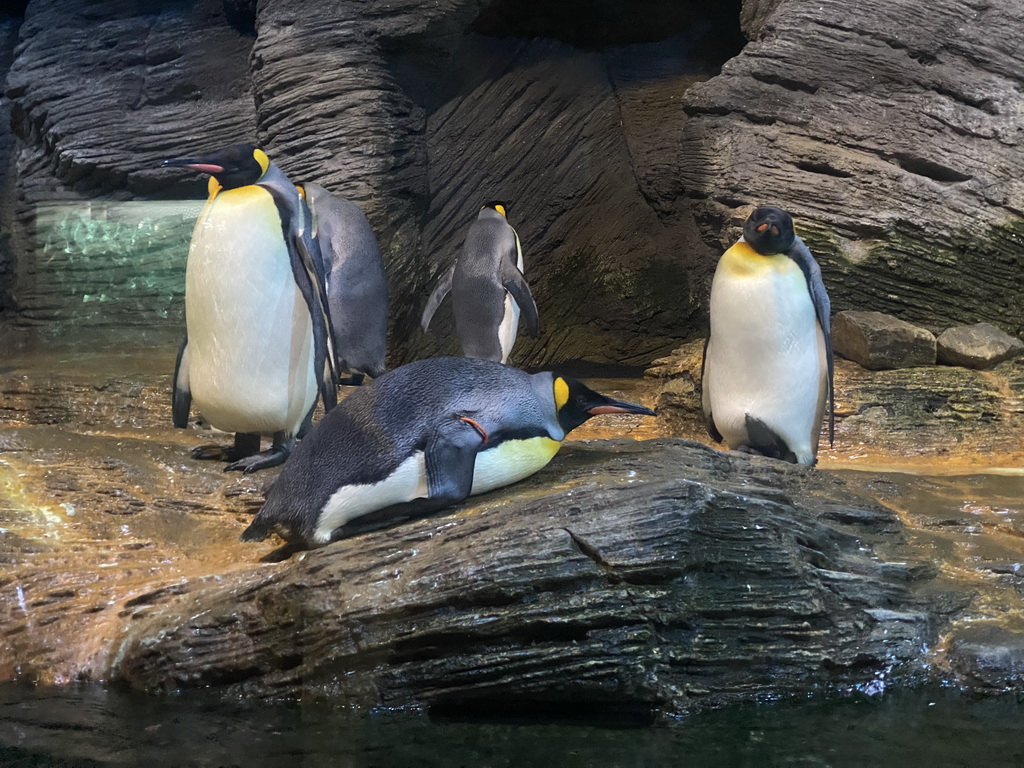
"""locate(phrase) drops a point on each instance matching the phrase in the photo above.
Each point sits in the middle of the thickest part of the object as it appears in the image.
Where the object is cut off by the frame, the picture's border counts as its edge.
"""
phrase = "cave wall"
(889, 130)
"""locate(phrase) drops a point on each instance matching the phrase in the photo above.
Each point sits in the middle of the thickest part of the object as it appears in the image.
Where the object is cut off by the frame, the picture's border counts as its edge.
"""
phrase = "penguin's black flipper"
(440, 291)
(799, 253)
(325, 360)
(181, 397)
(450, 458)
(515, 283)
(308, 272)
(705, 396)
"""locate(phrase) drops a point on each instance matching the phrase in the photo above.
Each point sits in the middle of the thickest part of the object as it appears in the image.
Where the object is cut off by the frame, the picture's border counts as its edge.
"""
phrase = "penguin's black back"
(370, 433)
(478, 296)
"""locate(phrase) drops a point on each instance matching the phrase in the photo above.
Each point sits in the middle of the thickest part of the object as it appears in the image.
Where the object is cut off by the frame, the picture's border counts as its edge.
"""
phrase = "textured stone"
(977, 346)
(656, 573)
(988, 655)
(881, 342)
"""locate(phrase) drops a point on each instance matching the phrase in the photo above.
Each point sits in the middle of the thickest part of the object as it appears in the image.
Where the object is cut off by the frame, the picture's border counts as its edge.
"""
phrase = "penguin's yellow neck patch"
(213, 187)
(500, 209)
(262, 159)
(743, 261)
(561, 393)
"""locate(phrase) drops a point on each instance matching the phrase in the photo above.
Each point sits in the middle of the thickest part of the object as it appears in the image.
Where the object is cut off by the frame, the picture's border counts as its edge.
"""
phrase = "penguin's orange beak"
(194, 165)
(618, 406)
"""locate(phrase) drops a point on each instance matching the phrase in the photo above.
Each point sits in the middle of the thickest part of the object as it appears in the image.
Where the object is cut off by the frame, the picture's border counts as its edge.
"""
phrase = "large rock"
(981, 345)
(630, 574)
(881, 342)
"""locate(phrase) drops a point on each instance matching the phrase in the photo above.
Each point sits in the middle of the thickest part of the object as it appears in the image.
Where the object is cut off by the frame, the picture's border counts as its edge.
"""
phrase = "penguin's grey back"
(376, 428)
(357, 291)
(478, 295)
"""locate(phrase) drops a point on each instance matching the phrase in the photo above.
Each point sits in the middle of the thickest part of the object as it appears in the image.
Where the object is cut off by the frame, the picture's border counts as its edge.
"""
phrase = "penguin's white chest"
(509, 327)
(766, 357)
(250, 338)
(505, 464)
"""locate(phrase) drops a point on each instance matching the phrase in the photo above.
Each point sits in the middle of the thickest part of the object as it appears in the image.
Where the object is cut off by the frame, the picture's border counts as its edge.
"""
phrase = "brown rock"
(881, 342)
(977, 346)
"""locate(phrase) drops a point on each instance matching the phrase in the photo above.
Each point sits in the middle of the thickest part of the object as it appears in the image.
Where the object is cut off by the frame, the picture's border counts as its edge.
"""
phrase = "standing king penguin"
(258, 342)
(767, 371)
(436, 430)
(488, 289)
(357, 289)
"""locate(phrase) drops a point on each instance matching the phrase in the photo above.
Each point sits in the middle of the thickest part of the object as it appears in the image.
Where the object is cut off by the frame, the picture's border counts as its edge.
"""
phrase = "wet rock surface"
(655, 573)
(977, 346)
(879, 341)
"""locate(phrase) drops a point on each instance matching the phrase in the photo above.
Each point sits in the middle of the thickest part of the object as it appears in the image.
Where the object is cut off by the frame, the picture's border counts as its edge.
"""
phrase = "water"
(89, 726)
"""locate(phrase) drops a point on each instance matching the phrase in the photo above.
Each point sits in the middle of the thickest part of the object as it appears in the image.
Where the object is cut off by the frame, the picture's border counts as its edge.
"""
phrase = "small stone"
(985, 654)
(977, 346)
(880, 342)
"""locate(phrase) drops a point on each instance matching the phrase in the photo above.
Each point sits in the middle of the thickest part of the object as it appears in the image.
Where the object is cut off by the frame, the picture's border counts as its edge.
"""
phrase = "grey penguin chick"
(437, 430)
(488, 289)
(768, 367)
(258, 345)
(357, 289)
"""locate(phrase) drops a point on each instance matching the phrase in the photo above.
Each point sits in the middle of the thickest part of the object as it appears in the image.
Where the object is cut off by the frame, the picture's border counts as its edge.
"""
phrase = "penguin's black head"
(576, 402)
(769, 230)
(237, 166)
(496, 205)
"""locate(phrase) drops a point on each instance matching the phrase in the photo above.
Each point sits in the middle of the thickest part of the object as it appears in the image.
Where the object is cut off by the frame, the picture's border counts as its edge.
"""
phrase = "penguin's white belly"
(508, 463)
(509, 327)
(250, 339)
(766, 357)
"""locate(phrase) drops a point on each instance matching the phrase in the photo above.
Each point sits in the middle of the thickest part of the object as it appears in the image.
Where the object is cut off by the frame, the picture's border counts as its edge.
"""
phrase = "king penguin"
(258, 344)
(357, 289)
(437, 430)
(488, 289)
(768, 366)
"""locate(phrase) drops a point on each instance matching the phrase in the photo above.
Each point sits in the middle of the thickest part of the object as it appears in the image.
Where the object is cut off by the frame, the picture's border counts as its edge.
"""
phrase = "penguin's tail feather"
(258, 530)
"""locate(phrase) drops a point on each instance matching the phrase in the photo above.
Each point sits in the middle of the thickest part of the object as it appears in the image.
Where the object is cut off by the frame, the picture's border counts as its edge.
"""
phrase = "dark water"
(92, 727)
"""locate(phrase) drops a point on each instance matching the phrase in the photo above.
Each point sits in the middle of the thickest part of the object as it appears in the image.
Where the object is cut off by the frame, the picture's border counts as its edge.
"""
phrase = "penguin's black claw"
(265, 460)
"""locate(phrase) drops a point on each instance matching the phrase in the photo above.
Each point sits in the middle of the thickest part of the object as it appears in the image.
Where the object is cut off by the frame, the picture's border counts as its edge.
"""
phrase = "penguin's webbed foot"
(264, 460)
(245, 444)
(282, 448)
(354, 380)
(219, 453)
